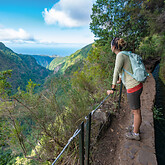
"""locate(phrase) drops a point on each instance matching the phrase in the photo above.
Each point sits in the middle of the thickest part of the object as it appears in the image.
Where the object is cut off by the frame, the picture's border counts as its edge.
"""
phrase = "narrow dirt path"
(114, 149)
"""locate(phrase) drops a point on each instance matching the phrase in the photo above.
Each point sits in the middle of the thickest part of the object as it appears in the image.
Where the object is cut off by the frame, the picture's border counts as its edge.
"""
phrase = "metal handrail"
(88, 129)
(77, 132)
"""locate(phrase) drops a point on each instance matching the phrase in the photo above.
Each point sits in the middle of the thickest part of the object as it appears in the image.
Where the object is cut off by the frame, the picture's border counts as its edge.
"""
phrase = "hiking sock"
(136, 134)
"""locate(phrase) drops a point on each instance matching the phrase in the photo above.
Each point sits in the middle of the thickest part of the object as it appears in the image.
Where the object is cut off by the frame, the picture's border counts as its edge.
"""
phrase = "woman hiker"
(134, 88)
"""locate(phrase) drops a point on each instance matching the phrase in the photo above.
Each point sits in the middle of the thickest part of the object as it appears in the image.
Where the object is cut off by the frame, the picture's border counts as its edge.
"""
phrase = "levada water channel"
(159, 118)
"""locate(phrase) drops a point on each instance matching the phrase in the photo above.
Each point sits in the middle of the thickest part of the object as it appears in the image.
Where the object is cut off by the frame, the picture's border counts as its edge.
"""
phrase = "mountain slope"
(76, 57)
(24, 68)
(56, 62)
(71, 63)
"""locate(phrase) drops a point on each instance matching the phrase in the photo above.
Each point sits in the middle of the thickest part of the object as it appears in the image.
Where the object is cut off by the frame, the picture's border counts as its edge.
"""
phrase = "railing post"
(121, 86)
(88, 134)
(81, 144)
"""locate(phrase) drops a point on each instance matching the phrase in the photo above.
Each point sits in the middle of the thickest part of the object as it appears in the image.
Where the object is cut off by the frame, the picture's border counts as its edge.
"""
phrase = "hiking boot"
(132, 136)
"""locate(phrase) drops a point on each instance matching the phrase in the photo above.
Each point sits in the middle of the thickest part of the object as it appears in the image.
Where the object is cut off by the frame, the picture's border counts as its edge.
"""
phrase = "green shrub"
(151, 46)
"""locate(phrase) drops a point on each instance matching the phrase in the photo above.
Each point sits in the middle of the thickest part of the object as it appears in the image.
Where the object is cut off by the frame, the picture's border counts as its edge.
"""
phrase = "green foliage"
(151, 46)
(5, 90)
(158, 115)
(52, 119)
(5, 87)
(30, 87)
(5, 151)
(154, 13)
(96, 75)
(119, 18)
(5, 156)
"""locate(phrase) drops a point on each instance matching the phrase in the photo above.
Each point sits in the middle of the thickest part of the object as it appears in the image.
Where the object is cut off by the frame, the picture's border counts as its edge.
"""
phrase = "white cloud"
(11, 35)
(69, 13)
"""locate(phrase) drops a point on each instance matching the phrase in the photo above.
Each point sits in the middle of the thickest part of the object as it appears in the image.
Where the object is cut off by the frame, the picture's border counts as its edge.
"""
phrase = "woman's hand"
(110, 92)
(119, 81)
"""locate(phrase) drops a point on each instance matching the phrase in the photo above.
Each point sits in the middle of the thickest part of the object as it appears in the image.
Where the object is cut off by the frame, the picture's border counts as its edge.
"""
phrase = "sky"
(45, 22)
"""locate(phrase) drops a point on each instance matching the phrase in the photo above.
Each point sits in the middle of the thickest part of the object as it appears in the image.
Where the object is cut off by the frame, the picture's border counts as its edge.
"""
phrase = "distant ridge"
(44, 60)
(2, 46)
(24, 68)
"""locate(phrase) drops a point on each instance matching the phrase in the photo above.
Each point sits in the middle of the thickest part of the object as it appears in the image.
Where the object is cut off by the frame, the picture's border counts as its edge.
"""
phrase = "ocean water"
(60, 50)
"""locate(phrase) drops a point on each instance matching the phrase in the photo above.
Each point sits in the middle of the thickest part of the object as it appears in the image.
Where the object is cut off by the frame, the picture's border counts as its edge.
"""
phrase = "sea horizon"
(46, 50)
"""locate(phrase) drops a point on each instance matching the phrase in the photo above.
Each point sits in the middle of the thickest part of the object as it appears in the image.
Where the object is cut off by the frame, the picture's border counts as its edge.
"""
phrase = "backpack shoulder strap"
(126, 53)
(127, 72)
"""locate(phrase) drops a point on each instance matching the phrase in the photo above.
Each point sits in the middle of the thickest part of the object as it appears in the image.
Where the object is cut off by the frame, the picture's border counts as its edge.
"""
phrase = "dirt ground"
(107, 146)
(114, 149)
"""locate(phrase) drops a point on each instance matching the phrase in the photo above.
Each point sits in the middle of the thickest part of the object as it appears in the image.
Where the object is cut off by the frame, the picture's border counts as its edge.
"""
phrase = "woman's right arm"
(118, 68)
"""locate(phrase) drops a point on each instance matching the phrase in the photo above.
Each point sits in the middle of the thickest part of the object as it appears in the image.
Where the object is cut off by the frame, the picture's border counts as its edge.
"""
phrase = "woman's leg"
(137, 120)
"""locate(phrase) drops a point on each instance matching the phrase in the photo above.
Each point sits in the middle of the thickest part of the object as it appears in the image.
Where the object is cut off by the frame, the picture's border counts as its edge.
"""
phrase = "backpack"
(139, 72)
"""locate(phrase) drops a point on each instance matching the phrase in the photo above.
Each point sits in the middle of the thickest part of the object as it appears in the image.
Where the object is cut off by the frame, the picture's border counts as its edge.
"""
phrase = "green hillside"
(72, 62)
(56, 62)
(24, 68)
(76, 57)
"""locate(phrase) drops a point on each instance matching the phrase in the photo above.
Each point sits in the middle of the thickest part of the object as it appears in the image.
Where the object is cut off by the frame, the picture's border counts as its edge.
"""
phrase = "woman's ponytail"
(119, 43)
